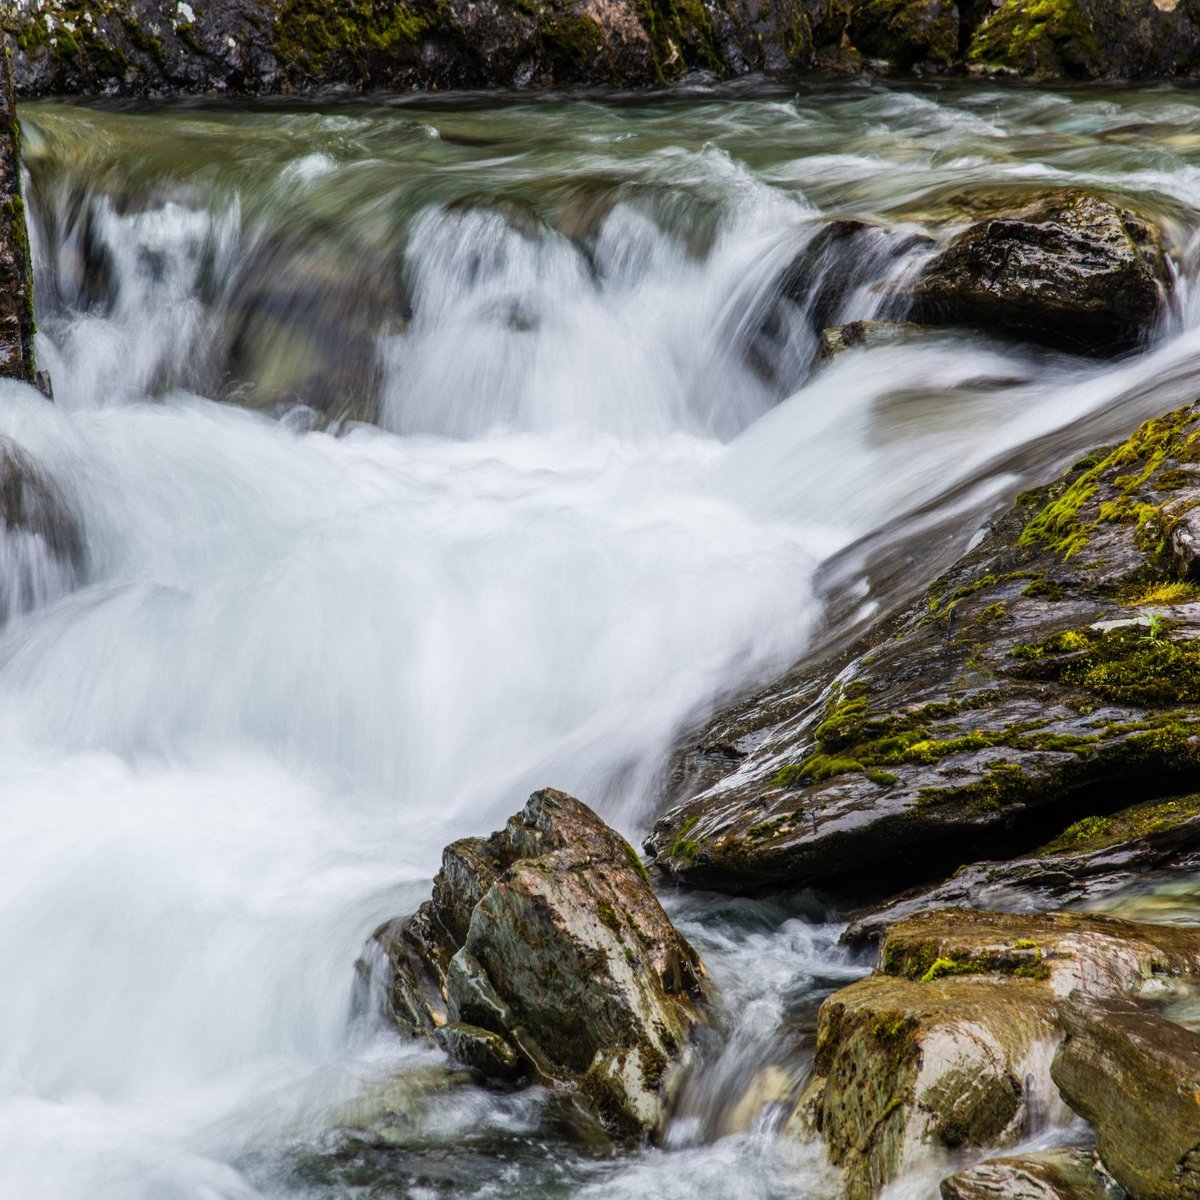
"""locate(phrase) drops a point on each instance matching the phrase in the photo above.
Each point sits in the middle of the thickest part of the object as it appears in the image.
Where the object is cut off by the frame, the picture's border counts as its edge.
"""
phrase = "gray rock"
(544, 955)
(16, 269)
(1050, 1175)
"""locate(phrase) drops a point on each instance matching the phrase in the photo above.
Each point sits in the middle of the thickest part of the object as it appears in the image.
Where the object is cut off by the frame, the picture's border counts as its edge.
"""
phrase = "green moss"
(1064, 524)
(1037, 37)
(635, 861)
(682, 847)
(941, 967)
(1045, 589)
(882, 778)
(1141, 820)
(1025, 944)
(608, 916)
(993, 614)
(1159, 594)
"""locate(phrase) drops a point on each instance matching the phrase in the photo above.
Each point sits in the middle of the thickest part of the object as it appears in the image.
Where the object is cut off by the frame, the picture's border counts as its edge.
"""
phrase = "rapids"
(605, 490)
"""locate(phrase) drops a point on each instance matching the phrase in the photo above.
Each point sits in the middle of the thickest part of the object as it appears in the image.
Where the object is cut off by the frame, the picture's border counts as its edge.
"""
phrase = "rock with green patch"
(1135, 1076)
(1073, 271)
(906, 33)
(543, 955)
(950, 1041)
(1092, 858)
(1087, 39)
(1051, 675)
(16, 269)
(1049, 1175)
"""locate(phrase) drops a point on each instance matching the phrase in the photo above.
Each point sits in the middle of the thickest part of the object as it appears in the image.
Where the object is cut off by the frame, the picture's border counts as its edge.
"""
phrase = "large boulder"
(1135, 1076)
(1073, 271)
(543, 955)
(16, 269)
(950, 1042)
(1052, 675)
(1048, 1175)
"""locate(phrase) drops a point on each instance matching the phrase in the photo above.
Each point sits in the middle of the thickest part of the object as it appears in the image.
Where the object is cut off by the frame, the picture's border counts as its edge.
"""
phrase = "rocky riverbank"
(246, 47)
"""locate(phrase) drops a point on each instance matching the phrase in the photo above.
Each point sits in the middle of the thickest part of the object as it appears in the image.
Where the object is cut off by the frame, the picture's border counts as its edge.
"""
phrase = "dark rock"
(1135, 1076)
(1052, 674)
(1049, 1175)
(906, 32)
(1074, 272)
(16, 269)
(1088, 39)
(837, 339)
(543, 954)
(1093, 858)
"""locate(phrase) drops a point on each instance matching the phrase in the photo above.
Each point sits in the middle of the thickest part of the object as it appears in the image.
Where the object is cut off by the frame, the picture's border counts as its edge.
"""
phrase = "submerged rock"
(1053, 674)
(1073, 271)
(855, 335)
(1135, 1076)
(16, 269)
(951, 1041)
(543, 955)
(1049, 1175)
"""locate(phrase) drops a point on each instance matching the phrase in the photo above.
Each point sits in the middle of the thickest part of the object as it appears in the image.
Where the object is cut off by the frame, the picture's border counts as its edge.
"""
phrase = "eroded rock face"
(544, 955)
(1050, 1175)
(1135, 1076)
(16, 270)
(1051, 675)
(950, 1042)
(1073, 271)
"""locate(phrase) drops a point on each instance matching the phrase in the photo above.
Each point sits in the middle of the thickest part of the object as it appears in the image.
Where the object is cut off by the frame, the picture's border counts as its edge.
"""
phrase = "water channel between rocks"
(428, 452)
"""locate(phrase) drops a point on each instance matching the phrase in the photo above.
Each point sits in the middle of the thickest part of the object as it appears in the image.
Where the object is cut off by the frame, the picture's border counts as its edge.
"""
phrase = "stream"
(430, 450)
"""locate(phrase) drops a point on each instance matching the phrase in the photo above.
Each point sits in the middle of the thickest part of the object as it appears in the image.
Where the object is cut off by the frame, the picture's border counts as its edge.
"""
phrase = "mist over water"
(605, 488)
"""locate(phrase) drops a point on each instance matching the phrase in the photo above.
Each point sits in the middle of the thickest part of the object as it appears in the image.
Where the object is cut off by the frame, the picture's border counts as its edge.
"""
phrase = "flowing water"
(602, 487)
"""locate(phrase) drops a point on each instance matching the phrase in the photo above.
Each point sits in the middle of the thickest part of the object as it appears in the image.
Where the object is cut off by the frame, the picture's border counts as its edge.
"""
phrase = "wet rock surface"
(160, 47)
(544, 956)
(1048, 677)
(950, 1041)
(1073, 271)
(1135, 1076)
(1050, 1175)
(16, 270)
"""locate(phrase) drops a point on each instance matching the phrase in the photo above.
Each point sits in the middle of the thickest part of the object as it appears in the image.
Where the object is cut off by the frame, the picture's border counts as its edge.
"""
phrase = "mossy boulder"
(16, 269)
(906, 32)
(544, 956)
(1051, 675)
(1135, 1076)
(950, 1042)
(1049, 1175)
(1087, 39)
(1073, 271)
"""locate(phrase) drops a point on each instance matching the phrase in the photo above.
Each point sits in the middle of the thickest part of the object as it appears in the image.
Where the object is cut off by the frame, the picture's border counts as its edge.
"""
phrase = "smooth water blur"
(604, 488)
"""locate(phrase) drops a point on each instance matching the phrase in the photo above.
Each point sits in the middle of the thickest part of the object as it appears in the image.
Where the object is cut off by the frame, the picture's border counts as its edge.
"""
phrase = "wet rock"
(1050, 1175)
(544, 955)
(1090, 859)
(906, 32)
(1074, 272)
(950, 1041)
(1087, 39)
(837, 339)
(16, 269)
(1135, 1076)
(1050, 676)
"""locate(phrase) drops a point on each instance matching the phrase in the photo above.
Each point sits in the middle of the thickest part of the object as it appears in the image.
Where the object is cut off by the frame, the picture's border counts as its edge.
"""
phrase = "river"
(606, 487)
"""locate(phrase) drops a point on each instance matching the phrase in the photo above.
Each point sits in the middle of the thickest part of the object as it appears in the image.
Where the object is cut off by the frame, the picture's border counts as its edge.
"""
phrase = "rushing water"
(605, 489)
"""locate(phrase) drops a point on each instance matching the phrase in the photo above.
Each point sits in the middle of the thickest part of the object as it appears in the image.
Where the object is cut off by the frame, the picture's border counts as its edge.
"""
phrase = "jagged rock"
(1094, 857)
(837, 339)
(1050, 1175)
(1073, 271)
(1051, 675)
(950, 1042)
(543, 954)
(906, 32)
(1135, 1076)
(16, 270)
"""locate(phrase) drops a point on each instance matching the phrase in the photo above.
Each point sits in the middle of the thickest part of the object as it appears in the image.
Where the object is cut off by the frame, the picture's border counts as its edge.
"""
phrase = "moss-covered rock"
(1135, 1076)
(543, 955)
(1072, 271)
(906, 32)
(1048, 677)
(1048, 1175)
(950, 1041)
(16, 269)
